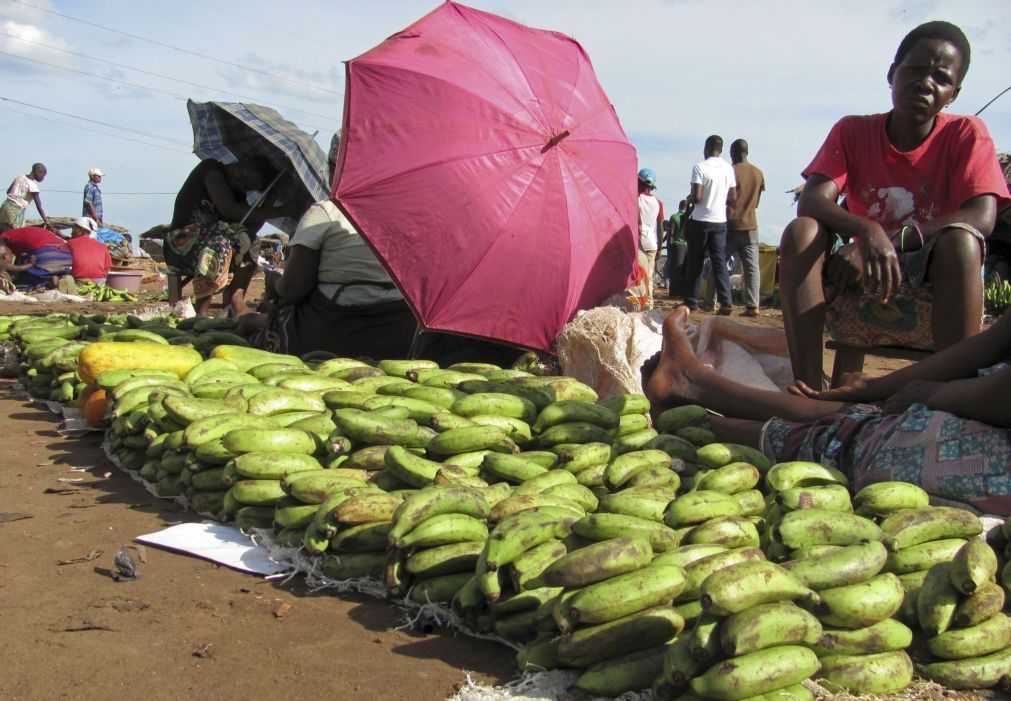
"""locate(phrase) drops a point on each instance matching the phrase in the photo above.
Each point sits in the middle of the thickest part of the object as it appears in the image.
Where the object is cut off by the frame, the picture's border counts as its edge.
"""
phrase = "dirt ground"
(186, 628)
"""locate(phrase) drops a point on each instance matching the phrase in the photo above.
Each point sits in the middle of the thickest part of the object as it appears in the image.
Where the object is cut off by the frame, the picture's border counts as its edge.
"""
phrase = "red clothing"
(31, 238)
(954, 164)
(91, 258)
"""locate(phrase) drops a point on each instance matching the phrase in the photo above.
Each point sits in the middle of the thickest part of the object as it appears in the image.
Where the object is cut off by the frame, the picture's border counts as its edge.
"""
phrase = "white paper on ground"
(217, 542)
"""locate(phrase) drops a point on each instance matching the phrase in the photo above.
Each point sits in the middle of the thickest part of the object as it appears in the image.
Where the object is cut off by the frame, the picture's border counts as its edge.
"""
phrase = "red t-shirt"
(31, 238)
(91, 258)
(955, 163)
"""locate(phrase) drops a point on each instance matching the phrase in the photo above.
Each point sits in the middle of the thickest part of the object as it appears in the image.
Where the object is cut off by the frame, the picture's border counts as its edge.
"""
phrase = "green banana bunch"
(982, 605)
(700, 506)
(974, 564)
(733, 478)
(698, 571)
(620, 596)
(604, 526)
(920, 557)
(937, 600)
(643, 630)
(981, 639)
(971, 673)
(800, 473)
(627, 673)
(518, 533)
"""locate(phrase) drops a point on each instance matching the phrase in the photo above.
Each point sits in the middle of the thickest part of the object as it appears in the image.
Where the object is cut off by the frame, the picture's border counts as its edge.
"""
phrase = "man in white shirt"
(650, 220)
(713, 188)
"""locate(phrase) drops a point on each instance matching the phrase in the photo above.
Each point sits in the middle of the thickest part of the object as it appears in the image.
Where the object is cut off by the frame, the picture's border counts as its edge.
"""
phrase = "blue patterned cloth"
(92, 194)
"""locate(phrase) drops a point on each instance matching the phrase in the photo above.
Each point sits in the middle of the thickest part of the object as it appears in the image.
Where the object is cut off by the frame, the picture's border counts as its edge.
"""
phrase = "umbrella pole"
(263, 195)
(413, 353)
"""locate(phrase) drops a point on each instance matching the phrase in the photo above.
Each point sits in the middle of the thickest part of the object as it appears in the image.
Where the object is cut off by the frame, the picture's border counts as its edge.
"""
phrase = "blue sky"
(778, 73)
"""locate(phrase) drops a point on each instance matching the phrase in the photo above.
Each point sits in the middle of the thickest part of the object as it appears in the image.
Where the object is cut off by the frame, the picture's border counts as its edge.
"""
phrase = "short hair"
(39, 166)
(714, 143)
(739, 145)
(682, 204)
(938, 29)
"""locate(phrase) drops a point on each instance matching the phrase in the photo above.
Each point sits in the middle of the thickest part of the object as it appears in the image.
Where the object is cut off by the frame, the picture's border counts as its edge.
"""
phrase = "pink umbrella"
(486, 167)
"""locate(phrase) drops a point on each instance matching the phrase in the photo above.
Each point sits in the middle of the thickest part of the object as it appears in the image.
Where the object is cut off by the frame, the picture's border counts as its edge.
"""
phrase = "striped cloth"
(228, 131)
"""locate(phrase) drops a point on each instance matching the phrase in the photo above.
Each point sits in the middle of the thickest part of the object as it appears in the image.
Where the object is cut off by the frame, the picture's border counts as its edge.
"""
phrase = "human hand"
(844, 268)
(881, 272)
(852, 389)
(918, 391)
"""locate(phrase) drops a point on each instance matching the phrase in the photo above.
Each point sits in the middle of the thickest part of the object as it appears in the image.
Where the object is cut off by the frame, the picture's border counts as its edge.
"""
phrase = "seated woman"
(202, 241)
(92, 259)
(922, 191)
(943, 423)
(42, 256)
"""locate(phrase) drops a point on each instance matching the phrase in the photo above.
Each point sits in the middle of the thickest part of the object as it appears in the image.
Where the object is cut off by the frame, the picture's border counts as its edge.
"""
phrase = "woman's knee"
(956, 247)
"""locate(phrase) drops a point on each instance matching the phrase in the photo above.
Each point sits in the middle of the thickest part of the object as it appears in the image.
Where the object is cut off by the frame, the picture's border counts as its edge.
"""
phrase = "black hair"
(739, 145)
(38, 166)
(938, 29)
(714, 143)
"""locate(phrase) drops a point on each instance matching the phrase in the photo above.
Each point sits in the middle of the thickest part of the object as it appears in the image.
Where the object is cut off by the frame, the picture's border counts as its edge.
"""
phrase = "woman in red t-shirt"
(922, 190)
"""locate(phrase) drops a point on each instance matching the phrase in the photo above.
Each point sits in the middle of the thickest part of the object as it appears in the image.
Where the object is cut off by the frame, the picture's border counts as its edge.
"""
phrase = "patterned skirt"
(948, 456)
(208, 250)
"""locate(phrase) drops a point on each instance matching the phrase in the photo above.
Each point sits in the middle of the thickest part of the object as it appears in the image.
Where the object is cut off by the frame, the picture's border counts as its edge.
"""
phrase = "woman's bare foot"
(667, 376)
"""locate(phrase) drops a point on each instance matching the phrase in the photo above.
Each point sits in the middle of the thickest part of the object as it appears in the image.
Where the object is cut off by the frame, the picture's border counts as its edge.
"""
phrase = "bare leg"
(954, 273)
(802, 258)
(203, 306)
(678, 378)
(741, 431)
(235, 293)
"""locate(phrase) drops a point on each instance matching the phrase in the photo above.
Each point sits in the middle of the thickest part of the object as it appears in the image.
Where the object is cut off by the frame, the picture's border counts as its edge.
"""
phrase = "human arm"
(232, 209)
(42, 212)
(92, 212)
(300, 274)
(979, 212)
(872, 258)
(696, 193)
(978, 398)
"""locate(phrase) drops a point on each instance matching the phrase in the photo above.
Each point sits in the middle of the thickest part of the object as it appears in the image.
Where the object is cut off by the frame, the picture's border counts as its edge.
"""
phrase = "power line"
(259, 21)
(176, 48)
(168, 77)
(93, 131)
(108, 192)
(95, 121)
(993, 100)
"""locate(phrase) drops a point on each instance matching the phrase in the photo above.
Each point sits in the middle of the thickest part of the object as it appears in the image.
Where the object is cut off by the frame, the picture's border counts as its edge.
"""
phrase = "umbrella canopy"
(486, 167)
(229, 131)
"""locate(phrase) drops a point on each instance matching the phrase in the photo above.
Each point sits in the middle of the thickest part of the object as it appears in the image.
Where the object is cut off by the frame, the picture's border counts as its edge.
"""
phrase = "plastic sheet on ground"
(218, 542)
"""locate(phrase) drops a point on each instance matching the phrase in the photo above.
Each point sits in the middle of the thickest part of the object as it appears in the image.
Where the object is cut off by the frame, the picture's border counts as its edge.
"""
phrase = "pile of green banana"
(644, 554)
(103, 293)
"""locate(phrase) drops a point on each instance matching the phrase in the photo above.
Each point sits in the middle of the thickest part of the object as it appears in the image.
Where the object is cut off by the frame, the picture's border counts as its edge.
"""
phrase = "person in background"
(91, 257)
(29, 239)
(650, 227)
(24, 187)
(93, 197)
(742, 224)
(922, 192)
(677, 251)
(334, 294)
(713, 188)
(203, 242)
(8, 266)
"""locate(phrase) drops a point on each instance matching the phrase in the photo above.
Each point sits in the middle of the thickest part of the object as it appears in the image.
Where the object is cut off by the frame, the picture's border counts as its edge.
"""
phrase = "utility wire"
(181, 50)
(993, 100)
(256, 20)
(93, 131)
(95, 121)
(168, 77)
(108, 192)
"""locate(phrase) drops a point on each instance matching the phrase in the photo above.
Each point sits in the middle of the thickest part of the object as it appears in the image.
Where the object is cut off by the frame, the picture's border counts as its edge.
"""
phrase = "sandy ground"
(186, 628)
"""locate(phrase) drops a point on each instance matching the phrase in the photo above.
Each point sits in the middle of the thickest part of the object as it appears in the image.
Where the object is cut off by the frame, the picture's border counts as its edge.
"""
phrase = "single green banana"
(672, 420)
(697, 507)
(444, 559)
(627, 465)
(756, 673)
(434, 501)
(315, 488)
(622, 595)
(443, 530)
(982, 639)
(665, 478)
(495, 403)
(598, 561)
(291, 513)
(618, 675)
(524, 502)
(633, 504)
(884, 636)
(603, 526)
(631, 442)
(367, 537)
(639, 631)
(573, 432)
(806, 527)
(741, 586)
(716, 455)
(467, 439)
(685, 555)
(371, 427)
(409, 467)
(266, 466)
(862, 604)
(880, 674)
(213, 427)
(257, 492)
(731, 478)
(829, 497)
(848, 565)
(583, 455)
(280, 401)
(368, 507)
(728, 531)
(705, 642)
(541, 655)
(261, 372)
(275, 440)
(441, 396)
(698, 571)
(567, 411)
(882, 499)
(354, 565)
(800, 473)
(982, 605)
(511, 468)
(971, 673)
(679, 665)
(528, 600)
(974, 564)
(923, 556)
(768, 625)
(696, 435)
(752, 502)
(577, 493)
(914, 526)
(937, 600)
(623, 404)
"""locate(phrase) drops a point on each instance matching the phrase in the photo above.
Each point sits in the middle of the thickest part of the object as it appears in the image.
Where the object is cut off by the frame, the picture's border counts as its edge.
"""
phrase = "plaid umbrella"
(228, 131)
